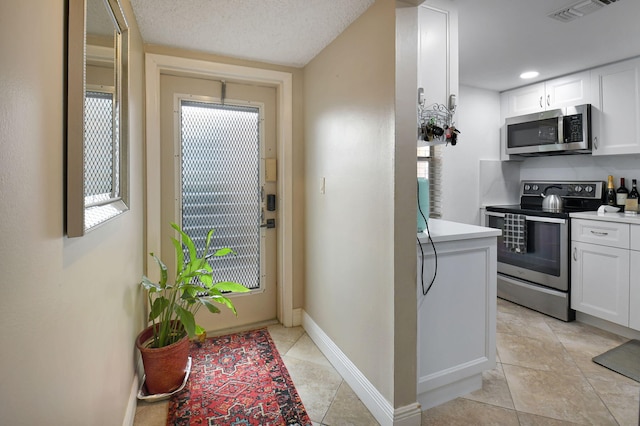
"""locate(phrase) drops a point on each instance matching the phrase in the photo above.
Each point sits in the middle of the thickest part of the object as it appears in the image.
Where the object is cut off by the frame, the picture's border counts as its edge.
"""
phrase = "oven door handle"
(531, 218)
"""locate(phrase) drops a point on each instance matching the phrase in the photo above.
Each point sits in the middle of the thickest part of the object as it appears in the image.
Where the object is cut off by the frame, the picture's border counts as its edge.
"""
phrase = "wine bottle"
(621, 194)
(610, 194)
(634, 190)
(632, 199)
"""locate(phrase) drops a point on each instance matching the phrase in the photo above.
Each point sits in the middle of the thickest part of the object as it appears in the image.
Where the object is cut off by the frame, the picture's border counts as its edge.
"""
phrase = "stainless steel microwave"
(559, 131)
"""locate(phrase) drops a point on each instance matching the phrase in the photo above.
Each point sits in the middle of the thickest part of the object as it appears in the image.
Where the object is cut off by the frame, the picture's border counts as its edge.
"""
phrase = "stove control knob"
(588, 188)
(578, 188)
(535, 187)
(527, 187)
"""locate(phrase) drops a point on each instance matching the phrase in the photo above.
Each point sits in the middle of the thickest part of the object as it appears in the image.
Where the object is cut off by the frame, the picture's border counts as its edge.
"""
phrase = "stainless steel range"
(533, 251)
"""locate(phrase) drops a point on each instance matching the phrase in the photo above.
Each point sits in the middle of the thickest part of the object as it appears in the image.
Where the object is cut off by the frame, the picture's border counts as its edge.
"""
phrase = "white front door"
(216, 142)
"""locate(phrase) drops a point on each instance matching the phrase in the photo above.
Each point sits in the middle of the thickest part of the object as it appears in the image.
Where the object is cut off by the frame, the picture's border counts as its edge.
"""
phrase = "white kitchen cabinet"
(600, 269)
(634, 279)
(616, 108)
(600, 281)
(571, 90)
(525, 100)
(457, 316)
(610, 234)
(634, 291)
(438, 51)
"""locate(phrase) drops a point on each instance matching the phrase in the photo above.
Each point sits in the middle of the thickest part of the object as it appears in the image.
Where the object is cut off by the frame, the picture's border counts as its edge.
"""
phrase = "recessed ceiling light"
(529, 74)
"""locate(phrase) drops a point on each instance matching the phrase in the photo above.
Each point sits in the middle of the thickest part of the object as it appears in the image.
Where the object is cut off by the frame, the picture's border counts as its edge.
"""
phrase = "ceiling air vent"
(579, 9)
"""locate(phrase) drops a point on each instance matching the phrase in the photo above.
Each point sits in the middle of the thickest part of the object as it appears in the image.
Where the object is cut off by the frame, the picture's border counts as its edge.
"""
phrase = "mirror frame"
(81, 218)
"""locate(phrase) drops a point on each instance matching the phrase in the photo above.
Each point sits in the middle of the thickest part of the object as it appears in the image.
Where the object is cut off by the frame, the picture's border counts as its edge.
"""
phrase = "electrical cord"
(435, 253)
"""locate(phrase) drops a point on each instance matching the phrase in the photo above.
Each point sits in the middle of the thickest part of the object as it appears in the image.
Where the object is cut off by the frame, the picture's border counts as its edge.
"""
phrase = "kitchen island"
(457, 315)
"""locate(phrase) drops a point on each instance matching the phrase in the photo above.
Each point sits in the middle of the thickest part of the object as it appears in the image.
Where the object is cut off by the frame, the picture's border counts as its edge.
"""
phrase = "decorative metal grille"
(100, 148)
(220, 147)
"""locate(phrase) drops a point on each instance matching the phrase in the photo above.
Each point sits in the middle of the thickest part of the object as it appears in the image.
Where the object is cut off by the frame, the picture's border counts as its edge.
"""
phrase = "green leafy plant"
(173, 305)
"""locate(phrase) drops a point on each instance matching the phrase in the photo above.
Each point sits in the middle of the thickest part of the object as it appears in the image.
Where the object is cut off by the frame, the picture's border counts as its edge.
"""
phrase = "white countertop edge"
(444, 230)
(607, 217)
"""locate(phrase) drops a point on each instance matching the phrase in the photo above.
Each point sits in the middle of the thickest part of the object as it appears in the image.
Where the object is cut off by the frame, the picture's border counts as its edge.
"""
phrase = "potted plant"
(164, 345)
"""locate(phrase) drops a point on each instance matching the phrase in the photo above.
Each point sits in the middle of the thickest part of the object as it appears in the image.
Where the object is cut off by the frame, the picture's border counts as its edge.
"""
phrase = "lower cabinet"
(605, 270)
(456, 318)
(600, 281)
(634, 291)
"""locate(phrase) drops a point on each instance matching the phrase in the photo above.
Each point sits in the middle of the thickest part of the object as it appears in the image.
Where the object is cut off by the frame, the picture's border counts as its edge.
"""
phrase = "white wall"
(70, 308)
(349, 142)
(478, 119)
(582, 167)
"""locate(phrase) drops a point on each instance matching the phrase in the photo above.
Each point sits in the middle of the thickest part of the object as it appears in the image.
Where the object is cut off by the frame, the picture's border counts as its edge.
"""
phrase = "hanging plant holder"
(435, 122)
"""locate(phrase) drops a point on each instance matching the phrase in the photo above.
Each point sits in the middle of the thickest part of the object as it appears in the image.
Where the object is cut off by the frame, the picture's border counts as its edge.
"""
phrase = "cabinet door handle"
(595, 142)
(540, 101)
(548, 100)
(575, 254)
(601, 234)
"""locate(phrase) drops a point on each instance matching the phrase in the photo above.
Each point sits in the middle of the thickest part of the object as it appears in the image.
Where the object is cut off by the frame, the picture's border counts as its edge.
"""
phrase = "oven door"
(546, 260)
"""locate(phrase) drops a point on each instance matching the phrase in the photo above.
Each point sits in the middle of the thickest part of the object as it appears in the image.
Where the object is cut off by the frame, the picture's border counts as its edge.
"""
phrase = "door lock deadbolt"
(271, 223)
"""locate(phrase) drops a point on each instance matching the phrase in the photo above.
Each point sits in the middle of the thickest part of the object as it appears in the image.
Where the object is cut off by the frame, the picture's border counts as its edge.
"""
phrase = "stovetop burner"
(577, 196)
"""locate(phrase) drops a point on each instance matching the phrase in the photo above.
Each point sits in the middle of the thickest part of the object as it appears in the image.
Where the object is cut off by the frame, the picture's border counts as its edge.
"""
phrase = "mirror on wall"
(97, 128)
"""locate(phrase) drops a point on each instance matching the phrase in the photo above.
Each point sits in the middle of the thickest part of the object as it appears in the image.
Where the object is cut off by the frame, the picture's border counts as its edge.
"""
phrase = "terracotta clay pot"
(164, 367)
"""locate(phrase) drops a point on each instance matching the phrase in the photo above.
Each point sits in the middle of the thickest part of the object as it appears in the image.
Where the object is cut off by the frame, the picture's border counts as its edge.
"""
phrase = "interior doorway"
(216, 137)
(157, 65)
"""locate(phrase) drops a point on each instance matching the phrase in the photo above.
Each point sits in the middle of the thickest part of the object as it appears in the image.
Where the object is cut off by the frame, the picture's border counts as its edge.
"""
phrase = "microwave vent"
(579, 9)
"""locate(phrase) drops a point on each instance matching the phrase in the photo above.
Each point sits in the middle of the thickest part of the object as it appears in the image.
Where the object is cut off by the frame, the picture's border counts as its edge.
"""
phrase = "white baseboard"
(378, 405)
(451, 391)
(130, 414)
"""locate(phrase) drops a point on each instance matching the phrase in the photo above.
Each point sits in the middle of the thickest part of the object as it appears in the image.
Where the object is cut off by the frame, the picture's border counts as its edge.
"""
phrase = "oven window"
(533, 133)
(543, 247)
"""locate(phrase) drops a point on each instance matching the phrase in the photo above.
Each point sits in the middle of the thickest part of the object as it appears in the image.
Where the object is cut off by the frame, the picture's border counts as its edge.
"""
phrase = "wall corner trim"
(409, 415)
(297, 317)
(378, 405)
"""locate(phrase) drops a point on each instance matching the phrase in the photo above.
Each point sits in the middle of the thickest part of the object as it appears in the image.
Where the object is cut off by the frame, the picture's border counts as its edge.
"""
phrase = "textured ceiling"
(284, 32)
(498, 38)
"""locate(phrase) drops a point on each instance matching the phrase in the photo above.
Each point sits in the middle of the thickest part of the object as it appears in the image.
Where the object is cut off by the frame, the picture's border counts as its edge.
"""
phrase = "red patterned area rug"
(238, 379)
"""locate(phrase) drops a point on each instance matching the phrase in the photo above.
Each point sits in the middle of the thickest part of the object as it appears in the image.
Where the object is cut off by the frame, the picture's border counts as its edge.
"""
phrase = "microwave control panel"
(572, 128)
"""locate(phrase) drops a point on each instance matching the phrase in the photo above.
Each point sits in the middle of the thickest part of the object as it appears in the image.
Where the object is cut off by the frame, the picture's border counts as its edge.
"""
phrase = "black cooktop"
(536, 210)
(577, 196)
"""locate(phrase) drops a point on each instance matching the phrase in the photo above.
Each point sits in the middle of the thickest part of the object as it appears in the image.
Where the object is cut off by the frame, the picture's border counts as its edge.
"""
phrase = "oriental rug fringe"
(238, 379)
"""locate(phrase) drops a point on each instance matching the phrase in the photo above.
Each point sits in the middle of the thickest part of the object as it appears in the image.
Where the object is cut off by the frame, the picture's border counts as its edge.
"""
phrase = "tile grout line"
(573, 361)
(321, 422)
(335, 395)
(582, 373)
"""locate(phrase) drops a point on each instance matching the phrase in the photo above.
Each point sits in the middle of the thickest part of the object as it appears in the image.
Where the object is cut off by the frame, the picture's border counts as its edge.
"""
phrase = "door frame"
(155, 65)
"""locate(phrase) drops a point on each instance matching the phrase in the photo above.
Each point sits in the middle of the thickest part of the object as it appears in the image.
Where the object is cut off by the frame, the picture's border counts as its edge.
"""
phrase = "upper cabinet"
(574, 89)
(438, 51)
(616, 108)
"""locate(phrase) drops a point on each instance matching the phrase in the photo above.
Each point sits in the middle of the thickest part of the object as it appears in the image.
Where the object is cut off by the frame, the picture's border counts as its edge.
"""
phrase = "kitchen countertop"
(444, 230)
(608, 217)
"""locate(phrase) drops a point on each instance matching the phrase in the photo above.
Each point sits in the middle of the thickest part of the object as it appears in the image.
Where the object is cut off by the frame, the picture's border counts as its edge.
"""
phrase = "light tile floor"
(544, 376)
